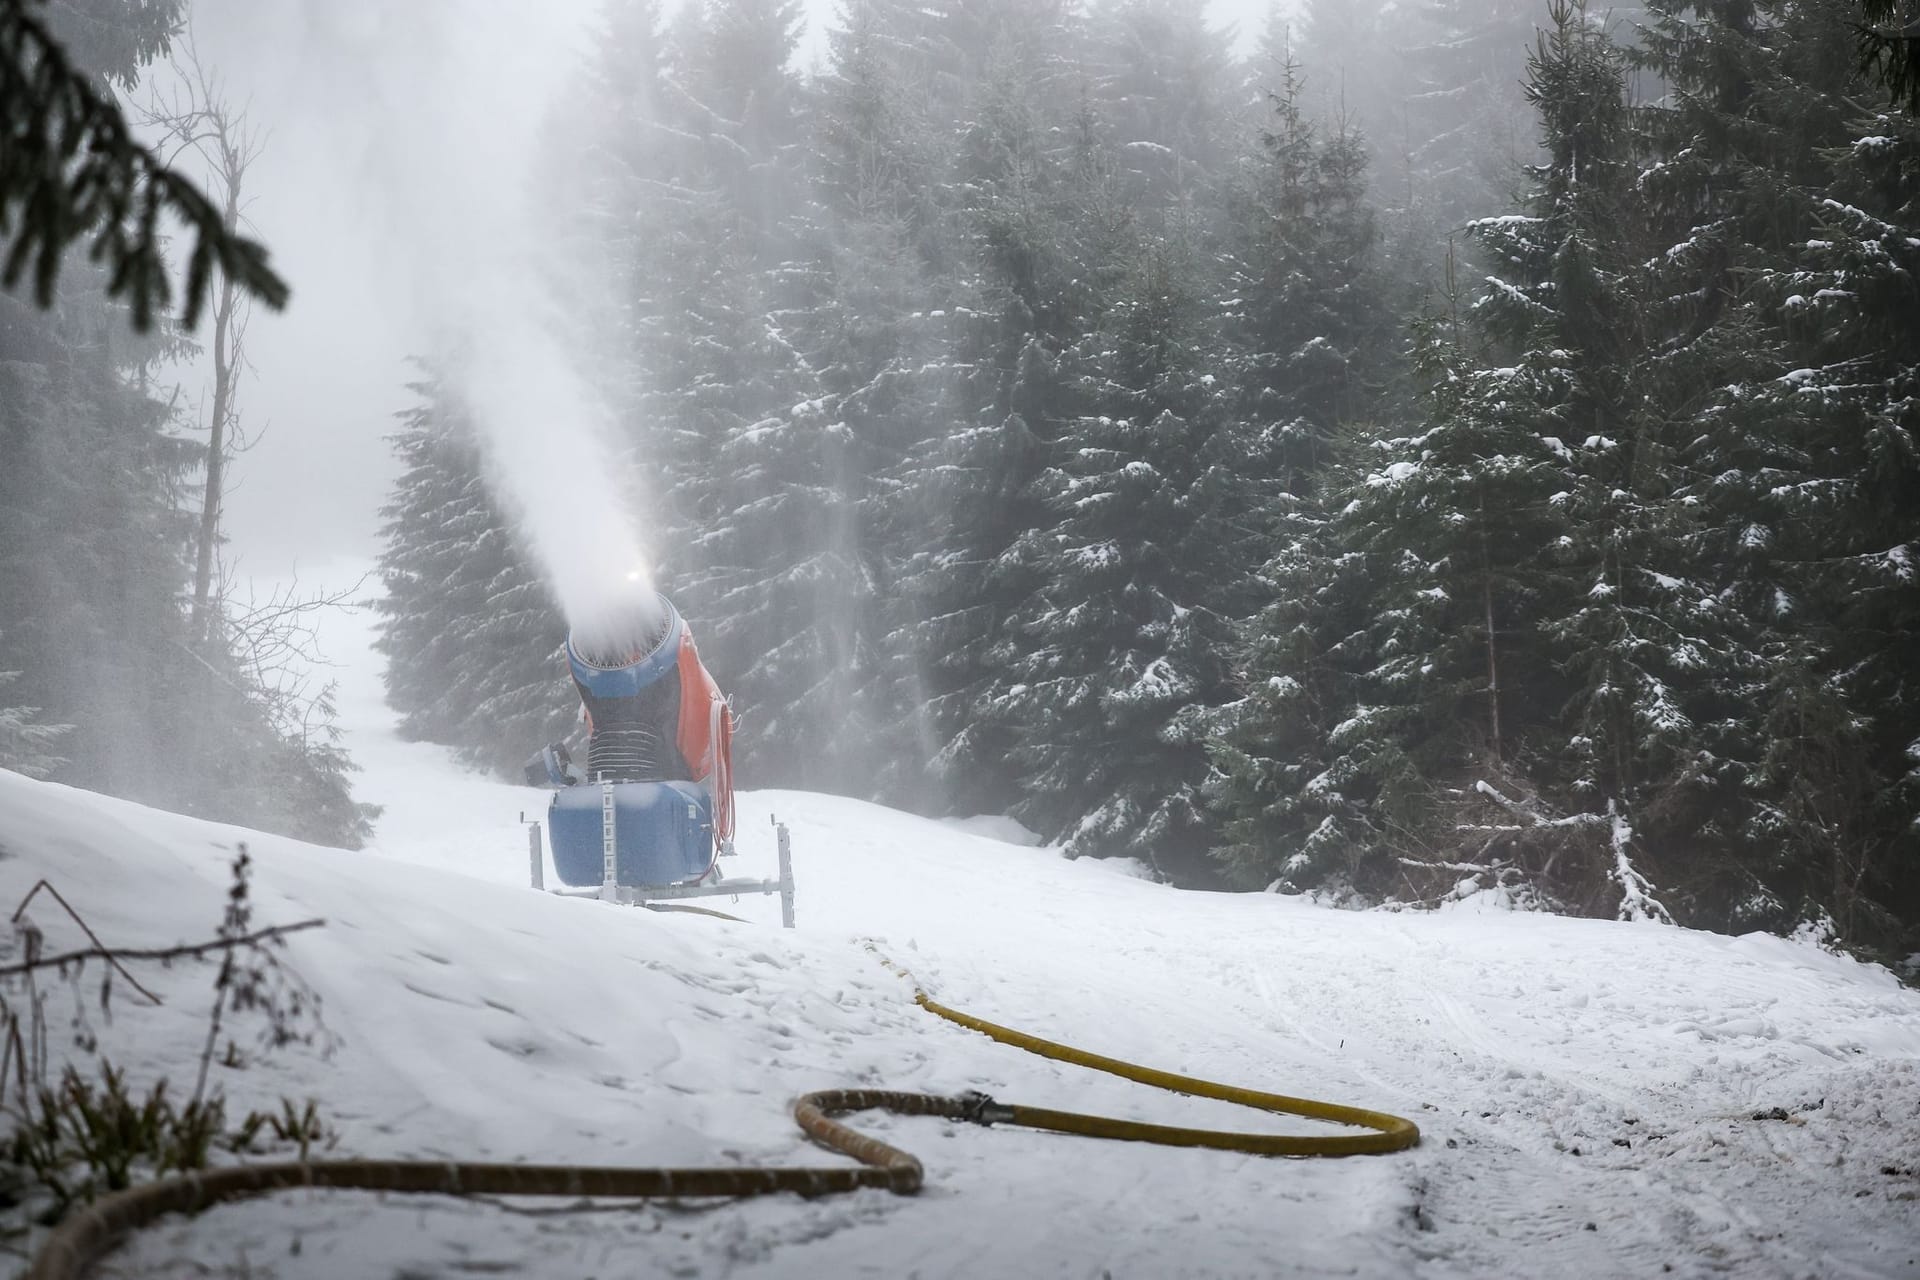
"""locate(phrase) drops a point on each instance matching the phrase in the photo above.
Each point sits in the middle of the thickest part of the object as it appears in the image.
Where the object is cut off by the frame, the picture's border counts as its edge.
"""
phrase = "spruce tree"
(92, 540)
(1119, 644)
(1462, 130)
(27, 743)
(1488, 547)
(1159, 76)
(1020, 292)
(1853, 304)
(1761, 103)
(472, 640)
(1357, 76)
(1795, 358)
(1627, 630)
(1308, 353)
(1118, 638)
(760, 483)
(881, 243)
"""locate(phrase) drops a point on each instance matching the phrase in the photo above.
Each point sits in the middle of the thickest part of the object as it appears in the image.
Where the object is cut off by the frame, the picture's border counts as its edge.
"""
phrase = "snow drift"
(1597, 1098)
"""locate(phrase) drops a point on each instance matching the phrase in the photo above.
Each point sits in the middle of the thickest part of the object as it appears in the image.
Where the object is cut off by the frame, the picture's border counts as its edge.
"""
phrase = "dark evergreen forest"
(1466, 444)
(110, 677)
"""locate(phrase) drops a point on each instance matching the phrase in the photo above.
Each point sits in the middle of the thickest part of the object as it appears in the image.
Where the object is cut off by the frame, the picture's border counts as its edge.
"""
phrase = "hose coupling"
(980, 1108)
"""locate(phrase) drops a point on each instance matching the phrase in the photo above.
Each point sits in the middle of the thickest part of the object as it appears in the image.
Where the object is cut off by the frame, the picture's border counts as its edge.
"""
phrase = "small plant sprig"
(90, 1132)
(79, 1139)
(253, 980)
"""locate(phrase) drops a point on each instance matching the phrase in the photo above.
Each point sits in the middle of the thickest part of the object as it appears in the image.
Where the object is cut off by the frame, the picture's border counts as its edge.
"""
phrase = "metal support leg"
(611, 890)
(536, 864)
(609, 848)
(786, 876)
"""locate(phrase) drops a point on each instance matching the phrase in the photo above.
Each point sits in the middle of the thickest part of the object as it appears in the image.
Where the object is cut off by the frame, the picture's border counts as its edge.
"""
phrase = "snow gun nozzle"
(630, 625)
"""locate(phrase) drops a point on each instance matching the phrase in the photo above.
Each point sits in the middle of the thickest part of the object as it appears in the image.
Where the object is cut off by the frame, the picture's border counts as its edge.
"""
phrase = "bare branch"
(1472, 868)
(99, 948)
(186, 951)
(1533, 818)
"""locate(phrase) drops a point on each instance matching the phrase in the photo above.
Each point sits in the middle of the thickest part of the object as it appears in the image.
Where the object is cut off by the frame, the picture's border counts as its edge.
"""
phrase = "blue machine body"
(662, 833)
(662, 825)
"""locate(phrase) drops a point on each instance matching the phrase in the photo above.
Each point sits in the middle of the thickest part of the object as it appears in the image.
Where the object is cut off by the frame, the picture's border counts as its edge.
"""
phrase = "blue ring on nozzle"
(627, 681)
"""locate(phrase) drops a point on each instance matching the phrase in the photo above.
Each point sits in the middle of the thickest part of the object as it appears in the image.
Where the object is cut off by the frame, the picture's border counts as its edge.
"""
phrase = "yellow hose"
(1391, 1132)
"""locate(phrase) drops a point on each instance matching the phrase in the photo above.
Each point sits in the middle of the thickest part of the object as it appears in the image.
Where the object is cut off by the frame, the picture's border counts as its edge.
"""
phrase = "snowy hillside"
(1591, 1094)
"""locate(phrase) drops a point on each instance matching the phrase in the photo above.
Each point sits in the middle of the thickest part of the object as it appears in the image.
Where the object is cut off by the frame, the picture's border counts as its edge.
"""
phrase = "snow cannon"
(655, 804)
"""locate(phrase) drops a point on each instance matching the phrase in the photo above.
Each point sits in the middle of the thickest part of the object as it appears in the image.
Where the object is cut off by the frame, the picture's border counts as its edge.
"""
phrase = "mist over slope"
(1708, 1104)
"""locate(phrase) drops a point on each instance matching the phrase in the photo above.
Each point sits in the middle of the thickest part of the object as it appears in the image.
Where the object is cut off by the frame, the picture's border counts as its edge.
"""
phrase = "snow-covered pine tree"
(1356, 74)
(1627, 627)
(1118, 640)
(1457, 541)
(1303, 316)
(28, 744)
(1108, 661)
(626, 92)
(1794, 367)
(1760, 104)
(93, 539)
(1852, 305)
(1022, 290)
(1304, 324)
(1296, 809)
(1462, 127)
(759, 489)
(1160, 78)
(960, 58)
(972, 489)
(658, 216)
(1444, 536)
(881, 139)
(614, 150)
(882, 243)
(472, 641)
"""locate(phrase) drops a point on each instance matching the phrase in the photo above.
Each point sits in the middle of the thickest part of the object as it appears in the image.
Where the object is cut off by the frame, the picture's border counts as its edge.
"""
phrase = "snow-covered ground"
(1597, 1099)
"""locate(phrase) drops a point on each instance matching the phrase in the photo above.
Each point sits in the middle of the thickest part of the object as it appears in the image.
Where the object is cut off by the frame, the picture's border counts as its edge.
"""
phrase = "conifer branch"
(70, 169)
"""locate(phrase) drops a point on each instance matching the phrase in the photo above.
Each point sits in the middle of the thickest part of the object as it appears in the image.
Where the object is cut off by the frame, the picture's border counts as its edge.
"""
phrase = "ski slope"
(1588, 1091)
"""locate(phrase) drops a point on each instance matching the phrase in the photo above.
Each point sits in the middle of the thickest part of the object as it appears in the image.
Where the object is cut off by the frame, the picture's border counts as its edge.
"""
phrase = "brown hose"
(90, 1233)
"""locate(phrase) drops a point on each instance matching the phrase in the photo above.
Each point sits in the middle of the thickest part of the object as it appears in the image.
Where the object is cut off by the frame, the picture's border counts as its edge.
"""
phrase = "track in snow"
(481, 1020)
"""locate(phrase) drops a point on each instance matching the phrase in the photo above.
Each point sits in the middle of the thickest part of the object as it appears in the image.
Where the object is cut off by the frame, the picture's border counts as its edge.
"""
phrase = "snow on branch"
(1531, 816)
(1636, 892)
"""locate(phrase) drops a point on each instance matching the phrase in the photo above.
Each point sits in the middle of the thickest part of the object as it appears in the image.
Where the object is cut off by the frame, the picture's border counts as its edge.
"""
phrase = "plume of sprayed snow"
(446, 148)
(552, 462)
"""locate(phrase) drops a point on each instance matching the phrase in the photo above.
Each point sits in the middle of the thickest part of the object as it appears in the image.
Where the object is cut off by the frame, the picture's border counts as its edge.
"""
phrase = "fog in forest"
(1342, 447)
(401, 189)
(393, 192)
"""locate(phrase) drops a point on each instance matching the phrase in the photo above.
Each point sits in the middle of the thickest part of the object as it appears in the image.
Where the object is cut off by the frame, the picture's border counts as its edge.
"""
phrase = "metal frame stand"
(635, 895)
(609, 855)
(536, 864)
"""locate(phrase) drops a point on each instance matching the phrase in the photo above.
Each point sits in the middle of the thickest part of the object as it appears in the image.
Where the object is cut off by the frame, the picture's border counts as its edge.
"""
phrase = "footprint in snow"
(518, 1048)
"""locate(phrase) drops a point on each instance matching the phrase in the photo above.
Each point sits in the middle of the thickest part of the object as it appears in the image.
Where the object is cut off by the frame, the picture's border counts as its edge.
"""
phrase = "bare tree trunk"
(198, 119)
(224, 375)
(1493, 648)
